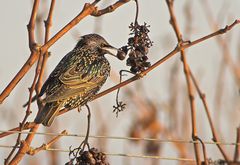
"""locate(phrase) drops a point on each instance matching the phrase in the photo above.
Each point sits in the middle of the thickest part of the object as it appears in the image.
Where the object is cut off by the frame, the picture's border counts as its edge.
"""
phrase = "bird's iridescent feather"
(76, 79)
(79, 77)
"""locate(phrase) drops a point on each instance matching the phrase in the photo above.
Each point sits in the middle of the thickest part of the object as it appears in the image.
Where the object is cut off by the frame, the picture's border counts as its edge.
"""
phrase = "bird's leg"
(85, 141)
(73, 154)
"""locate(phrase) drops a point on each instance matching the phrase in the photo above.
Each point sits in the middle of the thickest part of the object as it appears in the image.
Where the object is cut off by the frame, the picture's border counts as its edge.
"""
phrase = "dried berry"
(132, 54)
(134, 69)
(144, 58)
(142, 49)
(124, 49)
(137, 48)
(147, 64)
(90, 157)
(121, 55)
(131, 41)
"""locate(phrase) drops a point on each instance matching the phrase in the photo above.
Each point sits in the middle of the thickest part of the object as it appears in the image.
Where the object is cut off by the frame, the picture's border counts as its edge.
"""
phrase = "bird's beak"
(114, 52)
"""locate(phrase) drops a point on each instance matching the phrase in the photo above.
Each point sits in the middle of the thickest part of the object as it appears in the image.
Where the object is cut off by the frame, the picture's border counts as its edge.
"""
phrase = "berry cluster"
(137, 48)
(91, 157)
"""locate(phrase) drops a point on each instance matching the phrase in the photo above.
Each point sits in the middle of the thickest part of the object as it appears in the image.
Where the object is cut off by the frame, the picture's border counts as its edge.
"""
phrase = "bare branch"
(110, 8)
(87, 10)
(176, 28)
(47, 145)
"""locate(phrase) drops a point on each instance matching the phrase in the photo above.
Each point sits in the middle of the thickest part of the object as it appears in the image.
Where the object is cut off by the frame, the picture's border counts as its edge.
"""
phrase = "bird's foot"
(74, 153)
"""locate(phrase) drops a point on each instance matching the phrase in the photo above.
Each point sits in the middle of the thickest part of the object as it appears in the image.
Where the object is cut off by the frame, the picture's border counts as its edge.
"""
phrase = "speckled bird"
(77, 78)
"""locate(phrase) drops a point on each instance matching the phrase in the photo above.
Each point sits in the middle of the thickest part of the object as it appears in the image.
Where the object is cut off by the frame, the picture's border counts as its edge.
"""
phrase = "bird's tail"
(48, 113)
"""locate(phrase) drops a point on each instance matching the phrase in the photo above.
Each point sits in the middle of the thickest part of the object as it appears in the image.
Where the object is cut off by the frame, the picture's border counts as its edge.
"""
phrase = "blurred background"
(157, 105)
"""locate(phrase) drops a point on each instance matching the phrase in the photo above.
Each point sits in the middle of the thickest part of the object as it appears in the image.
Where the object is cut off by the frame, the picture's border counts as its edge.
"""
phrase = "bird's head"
(98, 43)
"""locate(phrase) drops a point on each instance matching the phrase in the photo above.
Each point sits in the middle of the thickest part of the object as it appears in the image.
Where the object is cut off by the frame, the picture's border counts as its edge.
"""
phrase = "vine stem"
(137, 11)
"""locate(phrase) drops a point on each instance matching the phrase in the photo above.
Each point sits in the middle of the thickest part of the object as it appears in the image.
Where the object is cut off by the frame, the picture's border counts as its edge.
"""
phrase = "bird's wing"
(62, 66)
(80, 79)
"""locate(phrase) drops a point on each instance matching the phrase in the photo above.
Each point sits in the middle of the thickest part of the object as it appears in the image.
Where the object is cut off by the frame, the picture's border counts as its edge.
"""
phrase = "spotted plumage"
(77, 77)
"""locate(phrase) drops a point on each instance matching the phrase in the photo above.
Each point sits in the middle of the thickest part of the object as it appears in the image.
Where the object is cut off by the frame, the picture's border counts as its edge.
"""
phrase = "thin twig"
(28, 111)
(223, 44)
(24, 147)
(237, 147)
(31, 27)
(34, 86)
(33, 56)
(176, 28)
(109, 9)
(27, 126)
(165, 58)
(47, 145)
(48, 24)
(87, 10)
(204, 151)
(155, 65)
(214, 134)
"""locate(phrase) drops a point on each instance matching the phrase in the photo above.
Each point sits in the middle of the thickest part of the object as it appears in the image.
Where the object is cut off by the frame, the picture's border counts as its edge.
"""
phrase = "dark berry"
(138, 53)
(93, 150)
(130, 41)
(121, 55)
(147, 64)
(124, 49)
(132, 54)
(131, 61)
(134, 69)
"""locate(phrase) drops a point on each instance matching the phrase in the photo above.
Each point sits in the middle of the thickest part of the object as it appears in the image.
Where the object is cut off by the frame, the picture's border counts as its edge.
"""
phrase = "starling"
(77, 78)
